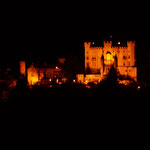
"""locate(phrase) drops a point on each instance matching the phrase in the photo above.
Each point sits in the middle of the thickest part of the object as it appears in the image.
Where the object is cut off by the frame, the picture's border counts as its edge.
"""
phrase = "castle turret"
(107, 44)
(87, 44)
(22, 68)
(131, 52)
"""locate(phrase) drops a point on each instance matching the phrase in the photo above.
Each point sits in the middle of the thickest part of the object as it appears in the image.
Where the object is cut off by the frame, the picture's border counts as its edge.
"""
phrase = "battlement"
(131, 42)
(110, 44)
(87, 44)
(107, 43)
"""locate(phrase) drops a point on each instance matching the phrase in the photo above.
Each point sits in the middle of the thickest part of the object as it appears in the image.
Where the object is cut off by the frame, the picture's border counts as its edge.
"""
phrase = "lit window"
(124, 57)
(138, 87)
(118, 43)
(109, 56)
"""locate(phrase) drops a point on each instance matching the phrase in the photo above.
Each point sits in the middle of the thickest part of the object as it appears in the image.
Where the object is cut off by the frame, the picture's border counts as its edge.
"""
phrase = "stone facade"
(99, 60)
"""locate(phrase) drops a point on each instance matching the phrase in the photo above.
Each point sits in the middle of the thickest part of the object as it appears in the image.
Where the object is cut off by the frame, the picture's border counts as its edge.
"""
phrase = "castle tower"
(107, 45)
(23, 68)
(131, 52)
(32, 75)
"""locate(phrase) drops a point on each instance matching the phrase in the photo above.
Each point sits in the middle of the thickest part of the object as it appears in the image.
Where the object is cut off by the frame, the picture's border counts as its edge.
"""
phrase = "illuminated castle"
(42, 74)
(100, 59)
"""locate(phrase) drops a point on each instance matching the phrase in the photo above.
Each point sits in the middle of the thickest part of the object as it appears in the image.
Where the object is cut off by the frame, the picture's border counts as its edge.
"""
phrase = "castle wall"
(49, 72)
(93, 57)
(96, 78)
(36, 74)
(80, 78)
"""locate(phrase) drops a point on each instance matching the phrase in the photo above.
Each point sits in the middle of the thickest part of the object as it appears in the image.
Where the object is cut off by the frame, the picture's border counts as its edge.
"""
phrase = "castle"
(98, 62)
(100, 59)
(42, 74)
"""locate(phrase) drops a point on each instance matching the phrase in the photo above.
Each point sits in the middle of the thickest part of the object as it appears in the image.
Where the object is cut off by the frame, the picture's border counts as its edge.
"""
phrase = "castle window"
(123, 63)
(124, 57)
(94, 64)
(87, 64)
(108, 56)
(93, 58)
(87, 58)
(129, 57)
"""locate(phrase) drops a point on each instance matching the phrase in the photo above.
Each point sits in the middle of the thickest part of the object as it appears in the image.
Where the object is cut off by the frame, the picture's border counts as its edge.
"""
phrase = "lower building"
(42, 74)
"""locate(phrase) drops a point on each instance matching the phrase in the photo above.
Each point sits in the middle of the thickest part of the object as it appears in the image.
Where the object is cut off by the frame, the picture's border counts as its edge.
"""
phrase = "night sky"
(50, 31)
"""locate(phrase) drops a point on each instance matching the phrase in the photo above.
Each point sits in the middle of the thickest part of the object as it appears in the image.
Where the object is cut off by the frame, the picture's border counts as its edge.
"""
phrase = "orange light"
(86, 82)
(87, 86)
(109, 56)
(50, 79)
(74, 81)
(139, 87)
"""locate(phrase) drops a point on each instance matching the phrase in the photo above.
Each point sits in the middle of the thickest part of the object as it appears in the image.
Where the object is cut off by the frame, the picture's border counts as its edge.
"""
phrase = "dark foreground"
(94, 110)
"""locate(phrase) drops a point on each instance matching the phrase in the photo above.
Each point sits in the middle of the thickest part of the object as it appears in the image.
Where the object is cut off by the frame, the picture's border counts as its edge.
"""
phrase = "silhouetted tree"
(88, 70)
(111, 80)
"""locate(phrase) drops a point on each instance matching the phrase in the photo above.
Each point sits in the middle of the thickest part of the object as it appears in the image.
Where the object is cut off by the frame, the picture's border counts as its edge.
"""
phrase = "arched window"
(108, 56)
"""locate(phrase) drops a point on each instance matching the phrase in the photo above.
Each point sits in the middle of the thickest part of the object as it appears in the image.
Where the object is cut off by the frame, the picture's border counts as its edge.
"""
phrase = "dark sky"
(48, 31)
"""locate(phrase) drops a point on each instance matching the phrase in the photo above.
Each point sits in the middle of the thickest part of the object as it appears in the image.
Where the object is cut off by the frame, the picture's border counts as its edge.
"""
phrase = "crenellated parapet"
(87, 44)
